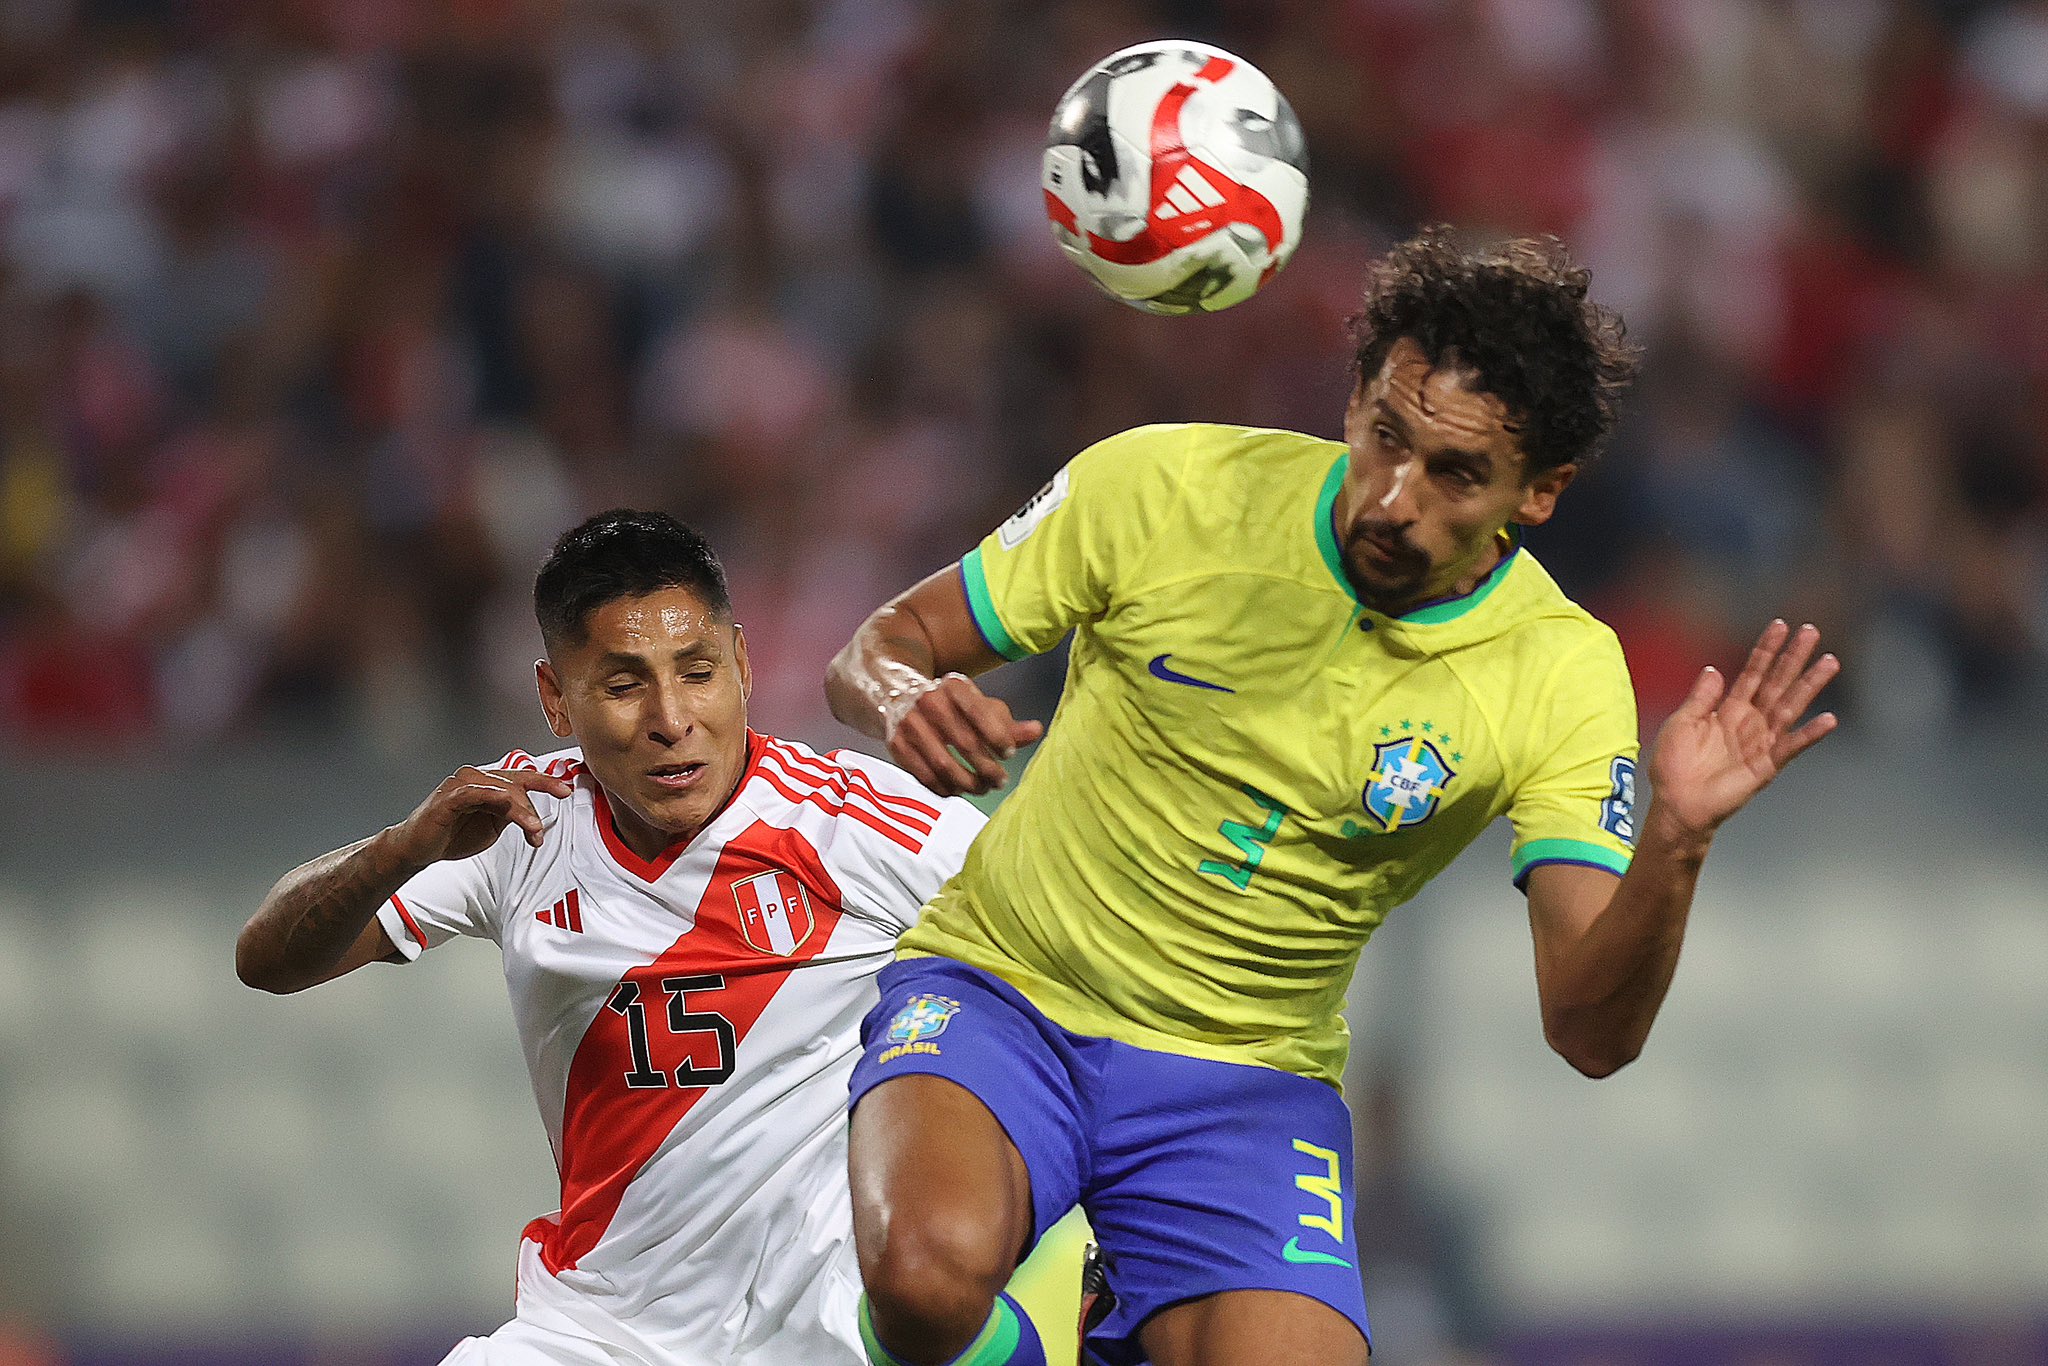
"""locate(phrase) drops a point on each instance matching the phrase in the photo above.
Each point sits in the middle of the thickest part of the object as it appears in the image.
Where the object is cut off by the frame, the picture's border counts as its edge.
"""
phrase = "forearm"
(1603, 991)
(881, 671)
(318, 911)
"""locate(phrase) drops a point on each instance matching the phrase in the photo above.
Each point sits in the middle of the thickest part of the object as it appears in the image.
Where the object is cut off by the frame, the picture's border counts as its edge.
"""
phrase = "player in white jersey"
(691, 916)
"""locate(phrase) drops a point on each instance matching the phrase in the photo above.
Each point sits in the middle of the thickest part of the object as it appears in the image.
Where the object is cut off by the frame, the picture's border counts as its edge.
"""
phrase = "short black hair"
(1515, 315)
(622, 554)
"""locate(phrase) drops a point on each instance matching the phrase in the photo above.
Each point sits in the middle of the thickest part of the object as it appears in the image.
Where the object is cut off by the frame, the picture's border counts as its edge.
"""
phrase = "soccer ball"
(1176, 177)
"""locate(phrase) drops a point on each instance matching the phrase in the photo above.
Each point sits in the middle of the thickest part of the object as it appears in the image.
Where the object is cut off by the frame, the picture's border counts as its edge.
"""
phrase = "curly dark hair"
(1517, 317)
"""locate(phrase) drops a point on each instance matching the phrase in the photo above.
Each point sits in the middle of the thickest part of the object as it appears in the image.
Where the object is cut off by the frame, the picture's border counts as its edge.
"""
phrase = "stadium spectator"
(308, 308)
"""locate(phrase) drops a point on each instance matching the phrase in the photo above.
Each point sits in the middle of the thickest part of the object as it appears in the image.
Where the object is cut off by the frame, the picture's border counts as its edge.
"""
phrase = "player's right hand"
(953, 737)
(471, 808)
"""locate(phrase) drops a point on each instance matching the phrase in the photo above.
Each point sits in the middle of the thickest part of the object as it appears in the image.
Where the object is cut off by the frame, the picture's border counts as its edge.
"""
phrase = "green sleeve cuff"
(983, 608)
(1567, 851)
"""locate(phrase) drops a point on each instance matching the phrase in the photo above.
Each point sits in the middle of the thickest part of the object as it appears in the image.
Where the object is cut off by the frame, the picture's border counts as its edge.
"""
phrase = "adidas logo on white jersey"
(566, 914)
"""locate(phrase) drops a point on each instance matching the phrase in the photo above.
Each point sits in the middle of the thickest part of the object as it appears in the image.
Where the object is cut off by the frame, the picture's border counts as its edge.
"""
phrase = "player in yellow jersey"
(1305, 675)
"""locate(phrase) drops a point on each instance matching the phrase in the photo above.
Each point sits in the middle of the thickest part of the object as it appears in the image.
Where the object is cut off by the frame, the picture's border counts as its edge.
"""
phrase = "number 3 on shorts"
(1326, 1184)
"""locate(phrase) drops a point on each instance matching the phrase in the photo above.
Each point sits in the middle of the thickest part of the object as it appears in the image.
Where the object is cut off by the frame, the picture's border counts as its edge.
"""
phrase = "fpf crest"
(774, 912)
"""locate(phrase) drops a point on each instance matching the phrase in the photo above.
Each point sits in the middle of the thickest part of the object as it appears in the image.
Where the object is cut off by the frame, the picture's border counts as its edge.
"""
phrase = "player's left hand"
(1726, 742)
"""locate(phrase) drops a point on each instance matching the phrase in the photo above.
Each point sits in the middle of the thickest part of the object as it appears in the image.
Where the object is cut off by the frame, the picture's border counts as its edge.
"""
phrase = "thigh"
(963, 1099)
(973, 1182)
(1214, 1178)
(1271, 1327)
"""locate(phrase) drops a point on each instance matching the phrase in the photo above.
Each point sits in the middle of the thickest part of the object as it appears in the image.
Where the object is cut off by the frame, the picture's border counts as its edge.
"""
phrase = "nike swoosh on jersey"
(1161, 671)
(1294, 1252)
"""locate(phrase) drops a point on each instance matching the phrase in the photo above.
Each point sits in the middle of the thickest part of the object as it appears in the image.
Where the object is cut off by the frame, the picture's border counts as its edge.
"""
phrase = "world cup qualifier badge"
(920, 1021)
(1035, 510)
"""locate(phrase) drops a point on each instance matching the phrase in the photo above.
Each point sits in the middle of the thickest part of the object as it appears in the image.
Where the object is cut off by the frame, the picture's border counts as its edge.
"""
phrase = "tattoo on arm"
(315, 914)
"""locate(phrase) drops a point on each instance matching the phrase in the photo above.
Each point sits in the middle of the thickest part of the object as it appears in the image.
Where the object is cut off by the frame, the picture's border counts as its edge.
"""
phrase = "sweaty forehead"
(666, 619)
(1444, 400)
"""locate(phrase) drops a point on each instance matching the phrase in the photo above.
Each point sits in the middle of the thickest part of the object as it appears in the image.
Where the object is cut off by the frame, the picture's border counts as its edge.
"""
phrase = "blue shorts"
(1197, 1176)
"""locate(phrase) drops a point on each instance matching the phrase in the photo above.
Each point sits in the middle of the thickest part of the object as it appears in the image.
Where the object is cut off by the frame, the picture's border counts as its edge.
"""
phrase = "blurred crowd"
(320, 318)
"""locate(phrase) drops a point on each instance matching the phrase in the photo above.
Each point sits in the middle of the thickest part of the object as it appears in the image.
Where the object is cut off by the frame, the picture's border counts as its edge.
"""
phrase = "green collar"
(1430, 613)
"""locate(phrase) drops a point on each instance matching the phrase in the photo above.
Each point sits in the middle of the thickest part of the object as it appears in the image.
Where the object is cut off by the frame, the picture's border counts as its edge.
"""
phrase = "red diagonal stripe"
(610, 1131)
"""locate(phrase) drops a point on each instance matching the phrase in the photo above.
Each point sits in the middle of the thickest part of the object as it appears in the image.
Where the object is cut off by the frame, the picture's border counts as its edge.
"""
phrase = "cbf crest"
(925, 1017)
(1407, 782)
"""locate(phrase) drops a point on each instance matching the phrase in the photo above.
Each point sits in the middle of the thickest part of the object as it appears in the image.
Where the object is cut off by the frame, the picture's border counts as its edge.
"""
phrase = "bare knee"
(931, 1277)
(938, 1229)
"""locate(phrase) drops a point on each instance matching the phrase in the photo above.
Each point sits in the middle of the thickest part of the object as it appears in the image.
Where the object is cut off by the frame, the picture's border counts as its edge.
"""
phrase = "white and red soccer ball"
(1176, 177)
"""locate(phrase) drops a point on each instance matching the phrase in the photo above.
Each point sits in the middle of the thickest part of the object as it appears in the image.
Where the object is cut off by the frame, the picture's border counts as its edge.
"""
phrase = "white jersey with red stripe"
(690, 1024)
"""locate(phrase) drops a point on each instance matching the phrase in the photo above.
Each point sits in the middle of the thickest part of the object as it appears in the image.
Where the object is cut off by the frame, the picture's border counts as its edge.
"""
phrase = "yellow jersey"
(1249, 768)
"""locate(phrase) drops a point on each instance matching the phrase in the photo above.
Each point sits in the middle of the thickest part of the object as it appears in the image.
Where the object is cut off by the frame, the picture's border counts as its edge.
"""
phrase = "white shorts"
(524, 1344)
(811, 1323)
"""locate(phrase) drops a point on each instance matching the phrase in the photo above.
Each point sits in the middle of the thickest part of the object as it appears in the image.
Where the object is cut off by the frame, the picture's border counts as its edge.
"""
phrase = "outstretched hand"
(469, 810)
(1726, 742)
